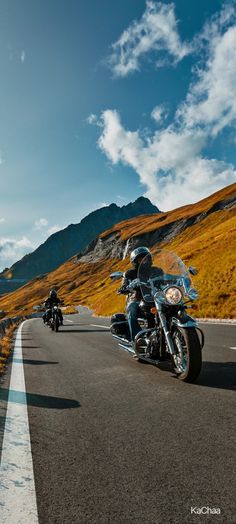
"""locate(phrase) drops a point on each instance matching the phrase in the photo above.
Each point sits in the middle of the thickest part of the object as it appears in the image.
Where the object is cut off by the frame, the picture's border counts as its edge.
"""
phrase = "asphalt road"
(116, 441)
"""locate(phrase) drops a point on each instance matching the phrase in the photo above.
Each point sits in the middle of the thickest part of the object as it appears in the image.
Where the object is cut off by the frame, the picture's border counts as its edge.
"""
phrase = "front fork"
(166, 330)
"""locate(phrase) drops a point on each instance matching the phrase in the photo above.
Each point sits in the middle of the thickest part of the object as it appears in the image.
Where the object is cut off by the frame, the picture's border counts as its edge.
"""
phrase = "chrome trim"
(167, 334)
(140, 333)
(121, 322)
(123, 339)
(127, 348)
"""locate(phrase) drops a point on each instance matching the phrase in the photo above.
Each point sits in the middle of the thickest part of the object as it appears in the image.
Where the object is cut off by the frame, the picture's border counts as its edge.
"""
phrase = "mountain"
(62, 245)
(202, 234)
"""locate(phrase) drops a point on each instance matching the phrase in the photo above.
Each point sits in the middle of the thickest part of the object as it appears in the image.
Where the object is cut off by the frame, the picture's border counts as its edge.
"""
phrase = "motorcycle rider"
(52, 300)
(134, 296)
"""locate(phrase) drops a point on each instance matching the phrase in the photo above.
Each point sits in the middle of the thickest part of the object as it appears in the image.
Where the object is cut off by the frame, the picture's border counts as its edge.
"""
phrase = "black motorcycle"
(54, 321)
(167, 332)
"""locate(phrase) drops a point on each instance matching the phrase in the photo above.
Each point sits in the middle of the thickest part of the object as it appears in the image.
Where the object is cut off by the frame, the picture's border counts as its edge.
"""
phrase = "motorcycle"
(167, 332)
(54, 321)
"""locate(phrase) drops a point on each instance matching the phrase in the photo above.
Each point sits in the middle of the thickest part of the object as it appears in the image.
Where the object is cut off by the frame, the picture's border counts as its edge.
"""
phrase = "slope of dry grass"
(210, 245)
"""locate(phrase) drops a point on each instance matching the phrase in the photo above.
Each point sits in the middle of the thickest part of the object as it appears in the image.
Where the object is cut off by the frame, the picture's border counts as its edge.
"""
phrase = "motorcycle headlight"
(173, 295)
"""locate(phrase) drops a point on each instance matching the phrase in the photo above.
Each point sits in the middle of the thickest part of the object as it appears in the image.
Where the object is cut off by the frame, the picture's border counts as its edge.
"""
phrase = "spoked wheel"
(188, 360)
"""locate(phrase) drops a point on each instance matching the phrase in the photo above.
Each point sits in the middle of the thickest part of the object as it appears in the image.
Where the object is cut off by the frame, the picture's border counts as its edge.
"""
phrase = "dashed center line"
(99, 325)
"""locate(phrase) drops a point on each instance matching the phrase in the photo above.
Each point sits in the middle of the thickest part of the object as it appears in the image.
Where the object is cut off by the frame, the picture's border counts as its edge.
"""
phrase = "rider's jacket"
(50, 302)
(130, 275)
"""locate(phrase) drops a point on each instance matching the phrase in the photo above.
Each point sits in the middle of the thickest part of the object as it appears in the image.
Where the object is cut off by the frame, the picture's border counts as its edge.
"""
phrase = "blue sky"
(104, 101)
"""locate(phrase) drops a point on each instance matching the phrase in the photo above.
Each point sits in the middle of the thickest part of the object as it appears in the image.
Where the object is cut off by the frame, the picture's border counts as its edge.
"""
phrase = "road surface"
(116, 441)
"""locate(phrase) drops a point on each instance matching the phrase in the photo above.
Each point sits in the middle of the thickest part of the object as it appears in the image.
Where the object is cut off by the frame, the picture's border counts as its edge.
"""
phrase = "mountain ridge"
(209, 243)
(63, 244)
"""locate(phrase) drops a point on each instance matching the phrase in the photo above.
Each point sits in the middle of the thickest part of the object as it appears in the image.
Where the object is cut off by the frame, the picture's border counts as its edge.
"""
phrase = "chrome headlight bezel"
(173, 295)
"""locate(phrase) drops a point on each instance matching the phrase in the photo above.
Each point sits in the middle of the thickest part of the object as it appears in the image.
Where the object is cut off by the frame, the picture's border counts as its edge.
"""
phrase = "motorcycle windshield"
(165, 268)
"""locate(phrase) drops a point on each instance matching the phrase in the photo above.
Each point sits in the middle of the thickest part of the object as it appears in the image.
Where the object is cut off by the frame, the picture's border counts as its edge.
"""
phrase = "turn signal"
(153, 310)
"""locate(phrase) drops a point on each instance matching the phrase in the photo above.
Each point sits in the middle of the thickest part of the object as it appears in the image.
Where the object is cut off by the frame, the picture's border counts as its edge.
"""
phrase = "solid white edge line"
(71, 321)
(17, 487)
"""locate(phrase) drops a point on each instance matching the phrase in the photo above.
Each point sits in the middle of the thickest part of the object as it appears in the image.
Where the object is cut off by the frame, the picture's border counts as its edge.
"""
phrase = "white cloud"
(22, 56)
(155, 31)
(54, 229)
(211, 101)
(92, 119)
(2, 220)
(41, 223)
(170, 163)
(159, 113)
(12, 250)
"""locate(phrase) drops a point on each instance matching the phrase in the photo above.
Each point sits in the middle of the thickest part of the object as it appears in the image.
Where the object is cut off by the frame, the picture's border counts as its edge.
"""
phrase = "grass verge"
(6, 346)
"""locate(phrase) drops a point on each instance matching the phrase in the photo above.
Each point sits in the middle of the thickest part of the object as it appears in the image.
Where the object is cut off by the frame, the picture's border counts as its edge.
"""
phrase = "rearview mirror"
(193, 270)
(116, 275)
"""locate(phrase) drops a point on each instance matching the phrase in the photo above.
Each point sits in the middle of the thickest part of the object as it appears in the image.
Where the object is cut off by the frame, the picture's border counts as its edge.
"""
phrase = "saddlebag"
(119, 325)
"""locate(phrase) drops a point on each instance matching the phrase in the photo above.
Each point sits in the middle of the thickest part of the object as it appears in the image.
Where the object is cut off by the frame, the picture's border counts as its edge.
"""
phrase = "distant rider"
(52, 300)
(134, 296)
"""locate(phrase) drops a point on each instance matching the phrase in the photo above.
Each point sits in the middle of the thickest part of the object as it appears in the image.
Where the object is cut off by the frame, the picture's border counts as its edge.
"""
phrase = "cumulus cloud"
(211, 100)
(170, 162)
(157, 31)
(159, 113)
(12, 250)
(41, 223)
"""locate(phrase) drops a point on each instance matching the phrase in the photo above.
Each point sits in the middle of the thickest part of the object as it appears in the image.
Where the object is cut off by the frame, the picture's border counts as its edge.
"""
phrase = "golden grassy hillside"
(210, 245)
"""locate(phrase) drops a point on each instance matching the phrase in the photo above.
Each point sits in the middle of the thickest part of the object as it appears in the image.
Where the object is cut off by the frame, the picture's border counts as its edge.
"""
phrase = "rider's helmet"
(138, 254)
(53, 293)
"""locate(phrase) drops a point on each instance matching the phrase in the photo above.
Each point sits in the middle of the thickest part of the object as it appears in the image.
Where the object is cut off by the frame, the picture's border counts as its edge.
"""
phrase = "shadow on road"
(39, 401)
(30, 347)
(33, 362)
(218, 375)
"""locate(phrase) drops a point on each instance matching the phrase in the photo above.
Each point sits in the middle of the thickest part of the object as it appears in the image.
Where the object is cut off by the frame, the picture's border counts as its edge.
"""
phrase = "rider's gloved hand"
(122, 290)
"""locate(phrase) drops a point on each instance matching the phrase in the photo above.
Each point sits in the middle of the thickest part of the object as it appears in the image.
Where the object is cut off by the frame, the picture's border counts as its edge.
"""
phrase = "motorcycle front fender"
(187, 324)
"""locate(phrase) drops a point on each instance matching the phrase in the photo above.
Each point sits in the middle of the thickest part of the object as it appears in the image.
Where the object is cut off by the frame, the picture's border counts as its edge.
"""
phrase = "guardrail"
(7, 322)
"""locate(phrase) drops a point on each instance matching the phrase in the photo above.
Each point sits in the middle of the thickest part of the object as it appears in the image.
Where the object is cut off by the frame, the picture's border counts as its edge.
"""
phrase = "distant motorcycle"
(54, 321)
(167, 332)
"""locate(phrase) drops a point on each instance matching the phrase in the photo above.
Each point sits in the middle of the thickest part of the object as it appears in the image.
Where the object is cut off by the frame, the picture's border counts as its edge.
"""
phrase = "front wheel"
(56, 323)
(188, 359)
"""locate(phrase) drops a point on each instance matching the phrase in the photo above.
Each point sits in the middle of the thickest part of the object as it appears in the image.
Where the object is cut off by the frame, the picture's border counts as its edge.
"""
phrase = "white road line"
(69, 321)
(232, 348)
(17, 487)
(216, 323)
(99, 325)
